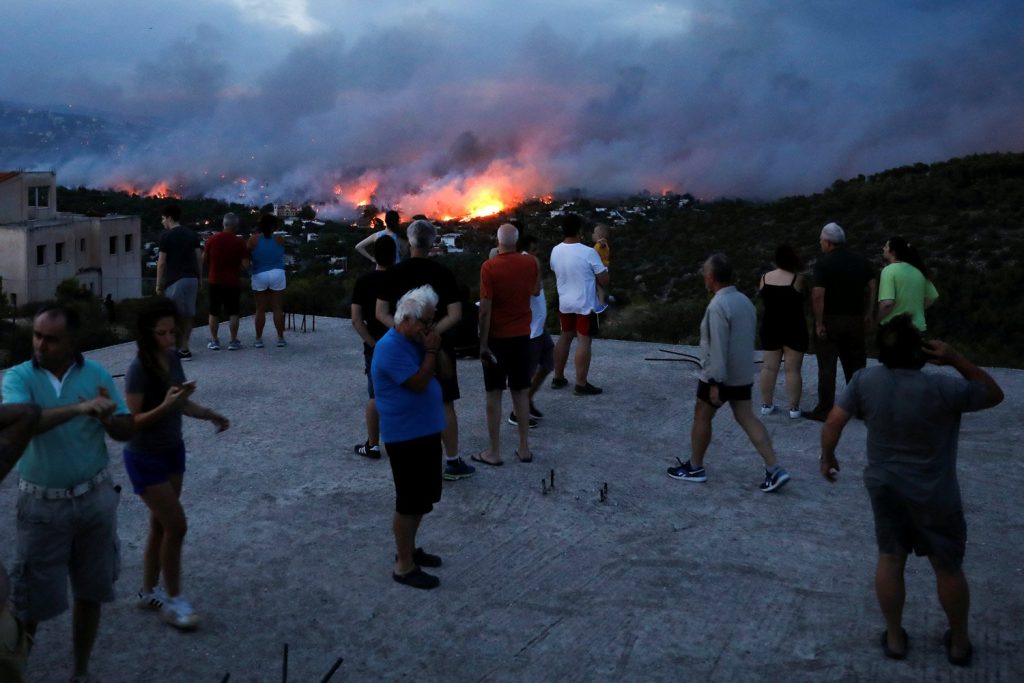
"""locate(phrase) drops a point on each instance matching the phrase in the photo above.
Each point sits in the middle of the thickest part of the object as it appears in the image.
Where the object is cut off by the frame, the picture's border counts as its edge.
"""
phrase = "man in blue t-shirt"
(64, 480)
(412, 417)
(913, 421)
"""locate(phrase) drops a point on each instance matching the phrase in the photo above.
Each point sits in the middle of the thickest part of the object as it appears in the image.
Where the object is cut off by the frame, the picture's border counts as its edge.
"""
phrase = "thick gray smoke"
(753, 98)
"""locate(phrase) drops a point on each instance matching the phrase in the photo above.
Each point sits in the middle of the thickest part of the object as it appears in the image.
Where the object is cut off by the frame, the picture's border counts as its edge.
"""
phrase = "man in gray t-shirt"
(913, 421)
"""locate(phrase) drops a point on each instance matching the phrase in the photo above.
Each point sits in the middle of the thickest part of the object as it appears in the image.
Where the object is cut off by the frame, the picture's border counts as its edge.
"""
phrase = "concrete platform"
(290, 541)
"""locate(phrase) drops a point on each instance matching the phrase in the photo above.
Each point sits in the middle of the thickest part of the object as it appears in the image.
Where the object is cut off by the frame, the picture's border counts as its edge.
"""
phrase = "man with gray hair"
(507, 282)
(409, 402)
(843, 299)
(413, 272)
(727, 375)
(224, 255)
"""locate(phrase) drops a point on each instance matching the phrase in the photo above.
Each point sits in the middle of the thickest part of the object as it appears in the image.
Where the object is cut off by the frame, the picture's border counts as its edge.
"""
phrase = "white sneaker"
(153, 599)
(794, 413)
(767, 410)
(258, 344)
(179, 613)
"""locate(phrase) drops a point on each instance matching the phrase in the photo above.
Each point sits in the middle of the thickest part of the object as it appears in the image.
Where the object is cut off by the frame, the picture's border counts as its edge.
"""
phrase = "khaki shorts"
(72, 538)
(13, 648)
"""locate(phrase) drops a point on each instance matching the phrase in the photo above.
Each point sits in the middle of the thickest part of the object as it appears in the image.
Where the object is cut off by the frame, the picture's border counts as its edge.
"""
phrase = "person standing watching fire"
(178, 269)
(578, 269)
(224, 255)
(393, 229)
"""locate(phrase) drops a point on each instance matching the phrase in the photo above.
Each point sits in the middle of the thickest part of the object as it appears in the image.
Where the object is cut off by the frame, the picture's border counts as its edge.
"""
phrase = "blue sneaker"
(457, 469)
(687, 472)
(774, 481)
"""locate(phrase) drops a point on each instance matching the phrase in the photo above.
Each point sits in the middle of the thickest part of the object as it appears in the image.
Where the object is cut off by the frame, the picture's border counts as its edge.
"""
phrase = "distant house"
(40, 246)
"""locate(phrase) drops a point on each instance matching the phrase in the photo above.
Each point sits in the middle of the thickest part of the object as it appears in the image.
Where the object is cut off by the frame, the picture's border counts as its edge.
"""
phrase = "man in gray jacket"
(727, 375)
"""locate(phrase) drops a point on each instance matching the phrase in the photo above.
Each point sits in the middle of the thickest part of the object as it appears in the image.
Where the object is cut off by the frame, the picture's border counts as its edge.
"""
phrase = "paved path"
(290, 541)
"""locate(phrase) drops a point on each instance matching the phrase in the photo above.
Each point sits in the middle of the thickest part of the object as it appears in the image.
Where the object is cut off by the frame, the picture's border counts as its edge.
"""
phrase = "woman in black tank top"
(783, 329)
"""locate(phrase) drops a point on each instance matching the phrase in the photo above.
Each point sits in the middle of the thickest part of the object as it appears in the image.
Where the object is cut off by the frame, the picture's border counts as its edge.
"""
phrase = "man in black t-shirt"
(177, 271)
(416, 271)
(364, 321)
(843, 299)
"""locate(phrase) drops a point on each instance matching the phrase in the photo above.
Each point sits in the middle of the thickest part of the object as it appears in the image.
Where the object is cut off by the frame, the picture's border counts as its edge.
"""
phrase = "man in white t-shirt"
(577, 267)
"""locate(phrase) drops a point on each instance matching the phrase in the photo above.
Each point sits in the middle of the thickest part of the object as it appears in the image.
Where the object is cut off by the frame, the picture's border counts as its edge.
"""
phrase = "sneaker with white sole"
(795, 413)
(773, 481)
(514, 421)
(687, 472)
(153, 599)
(258, 344)
(281, 343)
(213, 345)
(234, 345)
(767, 410)
(179, 613)
(457, 469)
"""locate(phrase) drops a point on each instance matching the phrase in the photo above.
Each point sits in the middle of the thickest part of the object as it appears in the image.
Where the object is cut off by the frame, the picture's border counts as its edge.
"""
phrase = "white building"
(40, 246)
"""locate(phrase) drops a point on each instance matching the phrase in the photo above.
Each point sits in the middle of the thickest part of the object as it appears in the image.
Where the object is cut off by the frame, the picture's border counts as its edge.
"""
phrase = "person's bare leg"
(151, 555)
(700, 433)
(892, 595)
(85, 624)
(372, 423)
(493, 454)
(185, 334)
(404, 528)
(955, 598)
(260, 319)
(450, 435)
(163, 502)
(521, 401)
(277, 305)
(755, 430)
(794, 378)
(562, 347)
(537, 382)
(769, 373)
(582, 358)
(233, 327)
(214, 324)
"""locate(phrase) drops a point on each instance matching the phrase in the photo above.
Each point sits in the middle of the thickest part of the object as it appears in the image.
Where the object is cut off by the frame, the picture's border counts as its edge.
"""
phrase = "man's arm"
(119, 427)
(17, 424)
(885, 307)
(484, 329)
(451, 319)
(383, 313)
(359, 325)
(830, 434)
(161, 266)
(364, 247)
(428, 366)
(818, 305)
(603, 278)
(941, 353)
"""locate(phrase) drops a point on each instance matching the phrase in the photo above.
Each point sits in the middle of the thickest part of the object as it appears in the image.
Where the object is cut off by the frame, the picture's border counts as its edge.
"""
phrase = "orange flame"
(159, 190)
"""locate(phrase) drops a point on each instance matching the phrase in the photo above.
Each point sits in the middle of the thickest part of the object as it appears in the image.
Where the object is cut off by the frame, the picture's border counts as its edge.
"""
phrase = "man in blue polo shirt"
(67, 508)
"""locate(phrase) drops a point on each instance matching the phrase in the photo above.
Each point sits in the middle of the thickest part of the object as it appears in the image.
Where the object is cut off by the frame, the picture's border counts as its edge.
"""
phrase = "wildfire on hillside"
(159, 190)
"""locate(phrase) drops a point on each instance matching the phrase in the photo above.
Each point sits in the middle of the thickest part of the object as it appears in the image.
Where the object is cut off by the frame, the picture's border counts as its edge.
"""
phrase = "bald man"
(507, 282)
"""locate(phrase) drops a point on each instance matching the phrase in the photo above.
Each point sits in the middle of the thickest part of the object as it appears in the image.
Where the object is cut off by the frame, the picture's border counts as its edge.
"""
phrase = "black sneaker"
(184, 354)
(513, 420)
(534, 412)
(587, 389)
(424, 559)
(368, 451)
(417, 578)
(687, 472)
(559, 382)
(773, 481)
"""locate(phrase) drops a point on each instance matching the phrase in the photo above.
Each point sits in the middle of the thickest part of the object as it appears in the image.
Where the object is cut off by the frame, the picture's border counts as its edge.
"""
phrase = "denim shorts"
(150, 469)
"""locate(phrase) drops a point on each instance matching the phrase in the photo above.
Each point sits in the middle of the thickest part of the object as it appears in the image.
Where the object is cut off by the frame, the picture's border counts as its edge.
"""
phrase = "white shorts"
(269, 279)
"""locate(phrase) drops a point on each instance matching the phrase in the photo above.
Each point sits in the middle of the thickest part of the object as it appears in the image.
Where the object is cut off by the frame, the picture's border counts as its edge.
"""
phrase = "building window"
(58, 253)
(127, 243)
(113, 244)
(41, 255)
(39, 196)
(81, 244)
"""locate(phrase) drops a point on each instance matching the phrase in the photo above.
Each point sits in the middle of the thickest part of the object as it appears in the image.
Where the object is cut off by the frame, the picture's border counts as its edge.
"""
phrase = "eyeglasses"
(426, 322)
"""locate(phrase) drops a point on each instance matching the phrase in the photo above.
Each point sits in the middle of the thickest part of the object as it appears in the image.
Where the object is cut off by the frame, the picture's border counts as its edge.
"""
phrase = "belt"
(59, 494)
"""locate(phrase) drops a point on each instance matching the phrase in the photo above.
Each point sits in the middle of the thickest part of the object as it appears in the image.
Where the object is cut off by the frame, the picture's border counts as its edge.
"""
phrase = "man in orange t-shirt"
(224, 255)
(507, 282)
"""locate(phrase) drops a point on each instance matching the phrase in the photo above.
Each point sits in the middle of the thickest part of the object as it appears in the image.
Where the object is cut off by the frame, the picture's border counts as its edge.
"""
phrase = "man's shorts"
(273, 280)
(726, 392)
(542, 354)
(367, 360)
(58, 538)
(513, 354)
(416, 468)
(902, 526)
(579, 323)
(450, 385)
(183, 293)
(150, 469)
(224, 300)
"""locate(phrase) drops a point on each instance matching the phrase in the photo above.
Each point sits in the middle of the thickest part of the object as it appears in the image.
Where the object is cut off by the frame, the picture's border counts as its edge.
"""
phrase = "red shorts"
(580, 324)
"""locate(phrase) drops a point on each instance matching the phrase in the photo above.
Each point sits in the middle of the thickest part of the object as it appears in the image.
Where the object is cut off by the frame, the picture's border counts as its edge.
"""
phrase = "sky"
(432, 105)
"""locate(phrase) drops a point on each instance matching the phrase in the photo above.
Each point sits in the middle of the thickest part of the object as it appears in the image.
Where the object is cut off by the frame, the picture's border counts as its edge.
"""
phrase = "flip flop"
(892, 654)
(477, 458)
(530, 459)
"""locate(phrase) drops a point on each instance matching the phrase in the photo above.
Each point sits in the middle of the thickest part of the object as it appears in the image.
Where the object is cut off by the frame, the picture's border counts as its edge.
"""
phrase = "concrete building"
(40, 246)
